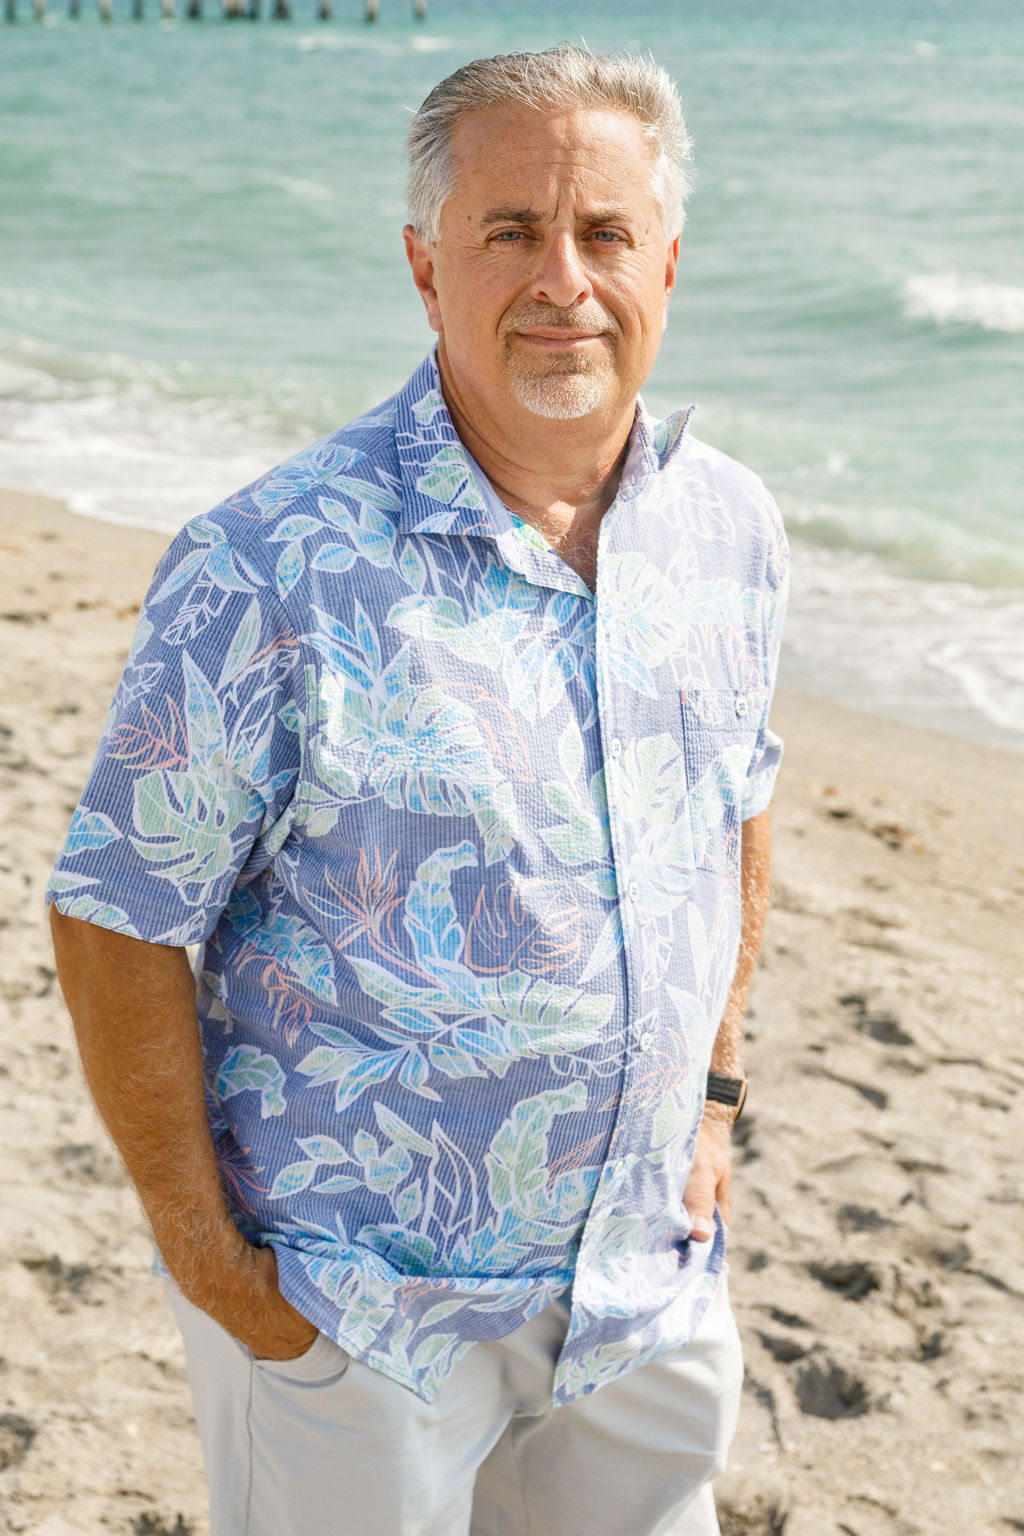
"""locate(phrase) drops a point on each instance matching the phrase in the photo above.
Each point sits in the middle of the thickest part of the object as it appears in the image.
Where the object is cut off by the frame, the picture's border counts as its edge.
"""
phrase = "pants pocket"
(324, 1361)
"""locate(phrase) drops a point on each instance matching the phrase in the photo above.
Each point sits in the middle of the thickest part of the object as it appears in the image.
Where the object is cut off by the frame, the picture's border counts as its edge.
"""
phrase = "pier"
(191, 10)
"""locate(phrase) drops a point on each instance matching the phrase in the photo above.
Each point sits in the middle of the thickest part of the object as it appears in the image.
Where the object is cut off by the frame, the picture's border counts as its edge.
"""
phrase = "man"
(447, 742)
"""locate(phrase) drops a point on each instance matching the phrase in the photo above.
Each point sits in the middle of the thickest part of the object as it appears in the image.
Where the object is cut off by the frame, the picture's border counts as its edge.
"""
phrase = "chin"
(561, 397)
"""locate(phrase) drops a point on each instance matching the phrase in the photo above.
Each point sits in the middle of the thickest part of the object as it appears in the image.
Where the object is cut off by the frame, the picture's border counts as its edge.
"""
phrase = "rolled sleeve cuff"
(761, 778)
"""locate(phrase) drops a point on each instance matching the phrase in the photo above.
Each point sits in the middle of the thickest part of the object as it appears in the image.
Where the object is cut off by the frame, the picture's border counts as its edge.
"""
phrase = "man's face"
(549, 283)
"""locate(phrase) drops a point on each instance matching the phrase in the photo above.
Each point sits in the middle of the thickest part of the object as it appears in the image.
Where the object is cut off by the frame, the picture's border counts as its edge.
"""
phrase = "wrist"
(206, 1259)
(719, 1120)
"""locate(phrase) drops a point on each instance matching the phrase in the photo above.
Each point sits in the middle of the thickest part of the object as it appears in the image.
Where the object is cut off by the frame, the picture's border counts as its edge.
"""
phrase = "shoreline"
(875, 1252)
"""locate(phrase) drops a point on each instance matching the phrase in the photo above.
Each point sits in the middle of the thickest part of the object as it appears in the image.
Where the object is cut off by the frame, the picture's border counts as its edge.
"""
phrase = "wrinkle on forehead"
(525, 165)
(557, 142)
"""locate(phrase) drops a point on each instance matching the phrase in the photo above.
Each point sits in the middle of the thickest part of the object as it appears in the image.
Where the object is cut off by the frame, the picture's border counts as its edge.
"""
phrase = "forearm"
(134, 1012)
(133, 1009)
(755, 880)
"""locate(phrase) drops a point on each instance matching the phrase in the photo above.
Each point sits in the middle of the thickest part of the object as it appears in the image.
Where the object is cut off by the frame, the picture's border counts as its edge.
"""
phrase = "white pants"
(326, 1446)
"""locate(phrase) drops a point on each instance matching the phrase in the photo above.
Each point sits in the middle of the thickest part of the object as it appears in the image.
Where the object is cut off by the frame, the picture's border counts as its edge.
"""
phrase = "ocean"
(201, 269)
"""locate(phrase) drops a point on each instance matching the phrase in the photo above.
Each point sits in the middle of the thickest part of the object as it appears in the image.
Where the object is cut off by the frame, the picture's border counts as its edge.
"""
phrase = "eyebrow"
(527, 216)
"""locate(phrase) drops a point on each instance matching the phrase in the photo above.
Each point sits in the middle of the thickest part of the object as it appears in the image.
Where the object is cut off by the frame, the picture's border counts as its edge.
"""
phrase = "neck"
(557, 475)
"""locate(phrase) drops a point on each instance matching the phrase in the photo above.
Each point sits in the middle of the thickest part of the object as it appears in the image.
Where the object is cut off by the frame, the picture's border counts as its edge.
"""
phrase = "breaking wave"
(945, 298)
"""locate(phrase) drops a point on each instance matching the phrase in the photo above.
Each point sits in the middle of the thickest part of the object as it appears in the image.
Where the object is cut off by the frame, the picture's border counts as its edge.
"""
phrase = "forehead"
(521, 156)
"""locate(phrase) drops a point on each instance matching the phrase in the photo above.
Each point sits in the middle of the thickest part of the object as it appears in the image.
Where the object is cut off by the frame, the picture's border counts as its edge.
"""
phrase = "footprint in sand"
(878, 1025)
(16, 1436)
(847, 1278)
(826, 1389)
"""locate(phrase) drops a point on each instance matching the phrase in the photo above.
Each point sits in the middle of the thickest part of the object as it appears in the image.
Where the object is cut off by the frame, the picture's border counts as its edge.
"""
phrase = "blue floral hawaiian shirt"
(460, 843)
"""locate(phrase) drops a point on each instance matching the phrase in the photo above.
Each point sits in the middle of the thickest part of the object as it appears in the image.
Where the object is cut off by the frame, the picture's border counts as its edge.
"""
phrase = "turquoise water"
(201, 268)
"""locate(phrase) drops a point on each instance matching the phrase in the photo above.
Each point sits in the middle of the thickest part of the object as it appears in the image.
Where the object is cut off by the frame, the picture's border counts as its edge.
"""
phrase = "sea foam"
(946, 298)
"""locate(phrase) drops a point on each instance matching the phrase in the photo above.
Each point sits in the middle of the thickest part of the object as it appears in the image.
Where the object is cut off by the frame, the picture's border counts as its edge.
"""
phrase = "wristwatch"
(728, 1090)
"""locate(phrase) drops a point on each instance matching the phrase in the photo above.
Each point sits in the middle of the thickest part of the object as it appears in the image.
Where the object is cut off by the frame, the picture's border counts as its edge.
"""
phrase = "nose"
(560, 277)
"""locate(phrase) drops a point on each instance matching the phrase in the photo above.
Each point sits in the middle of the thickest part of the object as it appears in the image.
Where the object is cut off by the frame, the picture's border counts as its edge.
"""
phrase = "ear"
(422, 263)
(671, 262)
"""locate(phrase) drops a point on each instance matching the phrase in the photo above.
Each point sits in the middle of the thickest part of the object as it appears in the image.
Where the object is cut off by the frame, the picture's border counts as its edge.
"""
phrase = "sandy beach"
(877, 1247)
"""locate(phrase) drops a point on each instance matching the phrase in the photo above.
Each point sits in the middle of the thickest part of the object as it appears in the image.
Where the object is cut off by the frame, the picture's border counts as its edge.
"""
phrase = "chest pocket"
(720, 728)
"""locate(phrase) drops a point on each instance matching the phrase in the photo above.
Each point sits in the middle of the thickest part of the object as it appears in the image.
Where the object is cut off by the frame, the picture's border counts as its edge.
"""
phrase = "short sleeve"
(767, 756)
(191, 788)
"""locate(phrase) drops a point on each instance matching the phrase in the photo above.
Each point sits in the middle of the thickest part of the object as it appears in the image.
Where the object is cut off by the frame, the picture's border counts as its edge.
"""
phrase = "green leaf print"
(246, 1069)
(188, 821)
(394, 1126)
(143, 633)
(606, 948)
(292, 1179)
(290, 565)
(453, 1061)
(366, 493)
(375, 537)
(408, 1202)
(290, 529)
(337, 1184)
(518, 1155)
(412, 568)
(427, 408)
(442, 619)
(103, 913)
(430, 917)
(449, 479)
(394, 992)
(570, 750)
(335, 557)
(242, 647)
(207, 743)
(553, 1018)
(324, 1149)
(651, 782)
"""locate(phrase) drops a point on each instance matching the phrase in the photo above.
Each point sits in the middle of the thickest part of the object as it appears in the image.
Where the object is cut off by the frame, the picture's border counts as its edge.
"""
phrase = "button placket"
(608, 689)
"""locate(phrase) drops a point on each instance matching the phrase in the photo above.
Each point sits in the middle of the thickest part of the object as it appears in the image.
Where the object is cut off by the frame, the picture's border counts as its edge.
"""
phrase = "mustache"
(584, 317)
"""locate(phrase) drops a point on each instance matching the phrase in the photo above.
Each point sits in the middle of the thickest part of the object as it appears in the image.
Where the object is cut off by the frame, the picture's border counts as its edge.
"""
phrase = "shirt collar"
(441, 492)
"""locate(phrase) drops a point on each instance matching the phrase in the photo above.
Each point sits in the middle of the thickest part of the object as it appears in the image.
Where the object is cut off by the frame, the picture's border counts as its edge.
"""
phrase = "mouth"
(557, 338)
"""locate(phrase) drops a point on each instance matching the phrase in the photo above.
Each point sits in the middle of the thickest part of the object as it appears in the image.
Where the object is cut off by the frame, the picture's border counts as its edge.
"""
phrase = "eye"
(508, 236)
(608, 236)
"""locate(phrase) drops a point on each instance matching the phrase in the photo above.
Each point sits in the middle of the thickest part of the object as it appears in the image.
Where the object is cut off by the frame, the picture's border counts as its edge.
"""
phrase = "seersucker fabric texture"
(460, 843)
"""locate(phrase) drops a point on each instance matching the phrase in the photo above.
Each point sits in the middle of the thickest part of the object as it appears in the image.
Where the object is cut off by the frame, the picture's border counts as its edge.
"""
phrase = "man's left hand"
(710, 1177)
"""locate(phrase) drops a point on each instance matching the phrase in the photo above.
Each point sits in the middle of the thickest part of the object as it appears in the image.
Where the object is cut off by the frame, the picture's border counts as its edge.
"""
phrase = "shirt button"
(646, 1041)
(633, 893)
(615, 747)
(741, 705)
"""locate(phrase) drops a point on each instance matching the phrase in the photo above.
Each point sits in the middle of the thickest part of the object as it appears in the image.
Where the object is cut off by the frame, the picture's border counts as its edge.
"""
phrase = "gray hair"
(561, 77)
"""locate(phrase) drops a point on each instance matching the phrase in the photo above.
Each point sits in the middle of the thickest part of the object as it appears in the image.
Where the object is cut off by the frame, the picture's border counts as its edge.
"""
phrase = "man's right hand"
(244, 1298)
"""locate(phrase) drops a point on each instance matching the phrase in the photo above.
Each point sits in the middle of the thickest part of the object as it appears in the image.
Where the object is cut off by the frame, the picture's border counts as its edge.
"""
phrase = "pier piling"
(232, 10)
